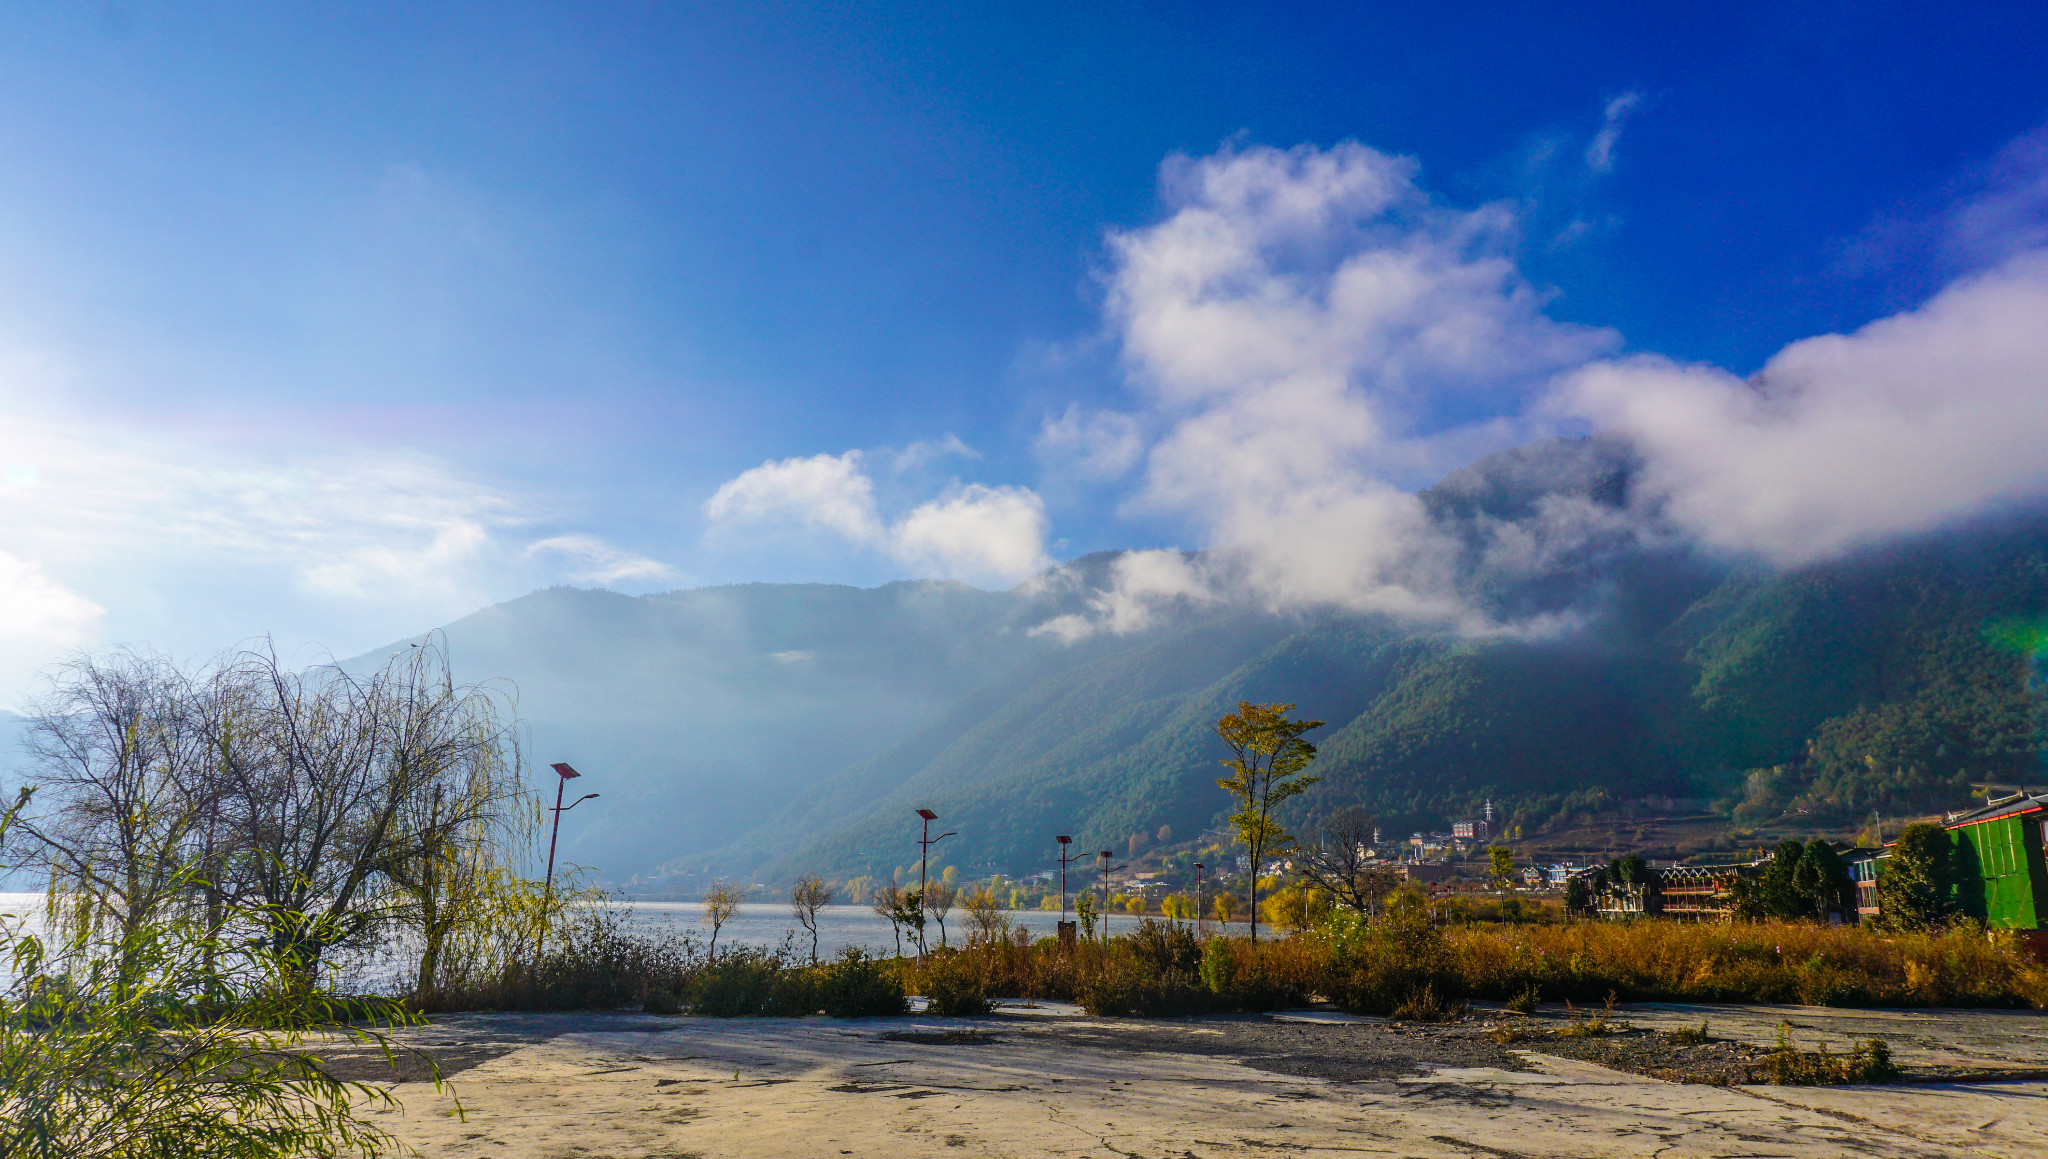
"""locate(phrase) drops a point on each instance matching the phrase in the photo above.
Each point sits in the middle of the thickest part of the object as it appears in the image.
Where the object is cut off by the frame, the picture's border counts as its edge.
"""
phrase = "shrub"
(1380, 966)
(737, 983)
(857, 985)
(953, 987)
(1216, 965)
(171, 1042)
(1127, 984)
(1167, 946)
(1243, 975)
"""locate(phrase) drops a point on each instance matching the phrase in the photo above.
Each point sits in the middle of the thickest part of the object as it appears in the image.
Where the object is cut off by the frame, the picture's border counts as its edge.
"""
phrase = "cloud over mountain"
(1911, 422)
(1309, 332)
(970, 531)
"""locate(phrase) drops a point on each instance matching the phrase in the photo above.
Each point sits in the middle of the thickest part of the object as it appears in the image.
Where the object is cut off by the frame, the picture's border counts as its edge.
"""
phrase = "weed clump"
(1687, 1036)
(1869, 1061)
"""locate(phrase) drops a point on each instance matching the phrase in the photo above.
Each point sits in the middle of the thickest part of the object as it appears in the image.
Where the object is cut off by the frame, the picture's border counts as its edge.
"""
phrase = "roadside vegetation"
(225, 850)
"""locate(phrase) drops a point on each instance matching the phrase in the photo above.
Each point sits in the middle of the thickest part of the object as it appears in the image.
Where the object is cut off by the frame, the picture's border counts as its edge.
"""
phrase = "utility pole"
(924, 849)
(564, 774)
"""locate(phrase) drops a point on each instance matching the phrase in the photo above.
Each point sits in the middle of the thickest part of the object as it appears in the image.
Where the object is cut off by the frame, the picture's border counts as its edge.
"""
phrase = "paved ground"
(1053, 1082)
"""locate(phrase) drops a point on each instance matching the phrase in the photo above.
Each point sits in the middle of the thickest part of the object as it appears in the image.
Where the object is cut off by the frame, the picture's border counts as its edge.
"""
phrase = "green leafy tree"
(1578, 895)
(1916, 885)
(1778, 891)
(1822, 881)
(910, 915)
(1268, 758)
(1500, 866)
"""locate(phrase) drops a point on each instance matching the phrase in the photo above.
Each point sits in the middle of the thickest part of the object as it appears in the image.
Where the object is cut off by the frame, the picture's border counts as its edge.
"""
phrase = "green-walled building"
(2002, 875)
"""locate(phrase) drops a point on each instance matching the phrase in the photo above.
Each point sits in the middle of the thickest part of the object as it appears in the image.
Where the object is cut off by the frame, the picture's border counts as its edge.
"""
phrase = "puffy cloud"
(1310, 335)
(830, 493)
(971, 532)
(1143, 584)
(975, 533)
(1306, 325)
(1840, 440)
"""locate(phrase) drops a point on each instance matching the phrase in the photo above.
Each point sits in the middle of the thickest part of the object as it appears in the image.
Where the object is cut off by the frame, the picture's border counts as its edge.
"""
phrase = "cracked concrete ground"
(627, 1086)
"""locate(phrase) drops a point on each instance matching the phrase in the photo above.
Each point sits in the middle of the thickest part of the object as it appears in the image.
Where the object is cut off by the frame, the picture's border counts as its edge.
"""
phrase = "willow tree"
(121, 803)
(1266, 767)
(465, 819)
(363, 801)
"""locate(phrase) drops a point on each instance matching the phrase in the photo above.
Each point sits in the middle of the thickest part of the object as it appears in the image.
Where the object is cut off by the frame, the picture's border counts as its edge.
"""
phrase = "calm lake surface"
(764, 924)
(756, 924)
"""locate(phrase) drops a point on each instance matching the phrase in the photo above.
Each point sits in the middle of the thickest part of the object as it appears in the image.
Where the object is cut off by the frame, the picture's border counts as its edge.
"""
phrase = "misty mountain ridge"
(770, 729)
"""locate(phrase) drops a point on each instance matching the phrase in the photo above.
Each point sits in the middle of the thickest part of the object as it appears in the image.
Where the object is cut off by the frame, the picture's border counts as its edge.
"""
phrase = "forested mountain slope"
(775, 729)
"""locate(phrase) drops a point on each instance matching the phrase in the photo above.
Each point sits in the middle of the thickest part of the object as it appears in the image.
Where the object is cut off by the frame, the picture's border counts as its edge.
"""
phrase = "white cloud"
(927, 451)
(600, 562)
(1841, 440)
(1143, 584)
(973, 532)
(1099, 446)
(1301, 324)
(193, 543)
(1600, 154)
(830, 493)
(39, 618)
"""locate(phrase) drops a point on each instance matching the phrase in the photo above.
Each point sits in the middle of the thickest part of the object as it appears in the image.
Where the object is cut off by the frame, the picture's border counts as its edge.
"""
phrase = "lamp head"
(563, 771)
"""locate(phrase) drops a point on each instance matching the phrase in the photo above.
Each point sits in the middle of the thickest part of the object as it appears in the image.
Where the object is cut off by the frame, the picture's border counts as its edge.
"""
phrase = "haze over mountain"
(769, 729)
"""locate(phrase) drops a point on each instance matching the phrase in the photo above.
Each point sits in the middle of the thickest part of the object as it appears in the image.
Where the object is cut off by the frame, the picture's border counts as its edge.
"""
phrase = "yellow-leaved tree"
(1265, 769)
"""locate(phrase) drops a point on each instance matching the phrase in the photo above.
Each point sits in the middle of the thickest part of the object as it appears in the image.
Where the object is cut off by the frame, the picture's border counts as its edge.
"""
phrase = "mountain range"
(762, 730)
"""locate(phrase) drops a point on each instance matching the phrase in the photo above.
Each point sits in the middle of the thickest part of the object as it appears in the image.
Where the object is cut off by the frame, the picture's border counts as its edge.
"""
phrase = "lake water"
(765, 924)
(756, 924)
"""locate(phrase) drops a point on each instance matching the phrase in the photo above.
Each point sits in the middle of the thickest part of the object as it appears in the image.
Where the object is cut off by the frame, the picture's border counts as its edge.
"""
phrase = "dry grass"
(1767, 962)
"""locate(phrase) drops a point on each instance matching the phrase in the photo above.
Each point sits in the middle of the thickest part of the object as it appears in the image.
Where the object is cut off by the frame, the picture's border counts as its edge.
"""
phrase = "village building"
(2002, 877)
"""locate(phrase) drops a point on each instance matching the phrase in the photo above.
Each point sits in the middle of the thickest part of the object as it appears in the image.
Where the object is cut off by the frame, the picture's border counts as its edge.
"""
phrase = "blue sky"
(338, 322)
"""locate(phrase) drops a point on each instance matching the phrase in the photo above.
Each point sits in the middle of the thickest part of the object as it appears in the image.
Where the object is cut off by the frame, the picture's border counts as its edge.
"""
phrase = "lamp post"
(1106, 871)
(924, 850)
(564, 774)
(1198, 901)
(1065, 861)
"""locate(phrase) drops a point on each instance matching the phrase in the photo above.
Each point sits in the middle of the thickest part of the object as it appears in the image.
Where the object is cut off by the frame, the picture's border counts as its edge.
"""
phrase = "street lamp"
(1106, 871)
(1065, 861)
(1198, 901)
(564, 774)
(924, 850)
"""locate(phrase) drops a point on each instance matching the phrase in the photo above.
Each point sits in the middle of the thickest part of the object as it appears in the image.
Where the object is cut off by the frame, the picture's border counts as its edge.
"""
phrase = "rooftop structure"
(2003, 878)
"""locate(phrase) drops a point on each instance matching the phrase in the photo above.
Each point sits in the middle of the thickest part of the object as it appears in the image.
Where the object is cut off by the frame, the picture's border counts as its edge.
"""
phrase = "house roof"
(1996, 809)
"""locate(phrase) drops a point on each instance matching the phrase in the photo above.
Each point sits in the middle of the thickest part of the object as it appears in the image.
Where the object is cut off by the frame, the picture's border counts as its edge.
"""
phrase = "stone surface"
(626, 1086)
